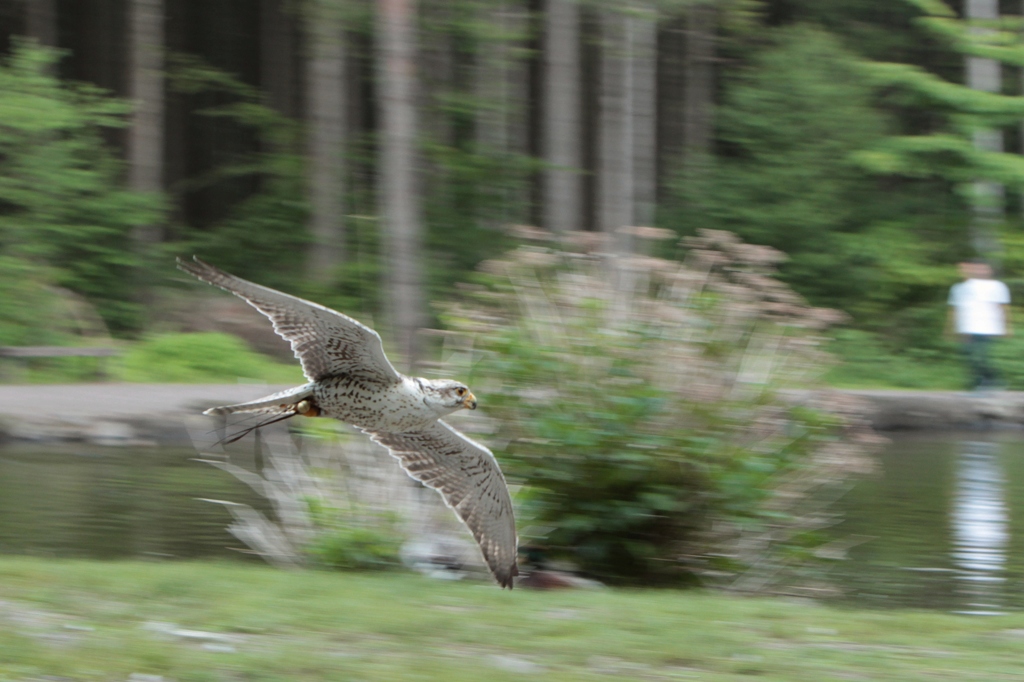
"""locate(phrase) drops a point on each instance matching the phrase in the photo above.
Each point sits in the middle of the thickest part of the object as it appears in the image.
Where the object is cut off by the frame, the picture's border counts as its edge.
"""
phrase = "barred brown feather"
(468, 478)
(326, 342)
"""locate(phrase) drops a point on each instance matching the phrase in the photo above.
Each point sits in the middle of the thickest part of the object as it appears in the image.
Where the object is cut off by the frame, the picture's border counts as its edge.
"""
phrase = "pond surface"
(941, 521)
(943, 525)
(86, 501)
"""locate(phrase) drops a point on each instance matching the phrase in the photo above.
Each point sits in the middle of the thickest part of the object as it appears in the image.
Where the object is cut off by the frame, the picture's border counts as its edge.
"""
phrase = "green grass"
(166, 358)
(201, 358)
(866, 362)
(83, 620)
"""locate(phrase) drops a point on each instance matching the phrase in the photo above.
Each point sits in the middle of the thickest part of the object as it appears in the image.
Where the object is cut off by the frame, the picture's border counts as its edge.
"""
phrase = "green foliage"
(354, 540)
(801, 142)
(646, 422)
(945, 148)
(199, 358)
(476, 185)
(28, 305)
(1008, 359)
(62, 210)
(476, 192)
(878, 30)
(264, 235)
(790, 129)
(866, 360)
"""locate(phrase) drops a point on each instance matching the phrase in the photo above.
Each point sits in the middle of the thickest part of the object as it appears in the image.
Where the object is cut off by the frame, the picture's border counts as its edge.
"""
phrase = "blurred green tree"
(64, 216)
(264, 235)
(946, 147)
(793, 132)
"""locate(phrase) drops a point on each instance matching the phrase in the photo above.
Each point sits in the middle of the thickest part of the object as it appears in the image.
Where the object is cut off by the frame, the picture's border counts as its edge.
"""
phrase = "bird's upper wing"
(468, 478)
(325, 341)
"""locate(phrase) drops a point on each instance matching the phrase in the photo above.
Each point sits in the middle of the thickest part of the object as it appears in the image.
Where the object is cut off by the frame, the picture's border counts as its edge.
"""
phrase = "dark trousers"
(977, 348)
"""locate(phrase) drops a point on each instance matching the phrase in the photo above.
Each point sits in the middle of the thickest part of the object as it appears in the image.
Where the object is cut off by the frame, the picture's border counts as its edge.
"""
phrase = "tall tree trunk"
(643, 63)
(615, 161)
(985, 74)
(325, 66)
(398, 187)
(436, 79)
(671, 85)
(698, 99)
(562, 196)
(277, 47)
(41, 21)
(501, 89)
(146, 136)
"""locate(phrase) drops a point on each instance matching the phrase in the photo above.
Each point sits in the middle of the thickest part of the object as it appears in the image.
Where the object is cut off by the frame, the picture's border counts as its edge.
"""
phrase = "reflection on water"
(945, 515)
(980, 528)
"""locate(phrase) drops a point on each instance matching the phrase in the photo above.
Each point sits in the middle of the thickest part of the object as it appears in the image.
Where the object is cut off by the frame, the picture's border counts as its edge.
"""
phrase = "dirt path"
(115, 414)
(121, 400)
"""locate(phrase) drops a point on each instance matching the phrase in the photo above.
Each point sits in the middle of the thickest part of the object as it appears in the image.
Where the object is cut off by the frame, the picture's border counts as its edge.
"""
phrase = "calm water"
(942, 519)
(943, 524)
(87, 501)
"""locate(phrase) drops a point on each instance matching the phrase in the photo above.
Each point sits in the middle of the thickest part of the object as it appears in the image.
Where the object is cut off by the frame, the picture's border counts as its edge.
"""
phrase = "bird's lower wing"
(326, 342)
(470, 481)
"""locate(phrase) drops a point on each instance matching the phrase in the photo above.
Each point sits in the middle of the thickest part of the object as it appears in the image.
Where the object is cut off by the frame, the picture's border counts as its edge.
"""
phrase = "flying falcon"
(351, 379)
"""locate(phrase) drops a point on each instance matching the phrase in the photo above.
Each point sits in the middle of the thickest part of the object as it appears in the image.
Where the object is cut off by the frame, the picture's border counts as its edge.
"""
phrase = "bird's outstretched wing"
(468, 478)
(326, 342)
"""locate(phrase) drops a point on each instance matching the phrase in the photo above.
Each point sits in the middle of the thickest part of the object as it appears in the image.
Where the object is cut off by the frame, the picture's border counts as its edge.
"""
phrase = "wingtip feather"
(196, 267)
(506, 578)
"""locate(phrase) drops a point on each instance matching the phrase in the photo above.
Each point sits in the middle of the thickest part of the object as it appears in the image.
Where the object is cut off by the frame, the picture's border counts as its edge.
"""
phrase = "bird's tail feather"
(277, 403)
(266, 411)
(267, 421)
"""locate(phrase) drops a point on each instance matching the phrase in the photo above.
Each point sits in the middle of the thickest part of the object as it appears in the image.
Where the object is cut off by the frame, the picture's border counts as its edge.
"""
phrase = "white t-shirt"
(978, 305)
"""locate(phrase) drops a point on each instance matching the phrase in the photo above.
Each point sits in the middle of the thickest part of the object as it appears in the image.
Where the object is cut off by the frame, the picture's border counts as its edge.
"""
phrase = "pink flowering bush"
(662, 416)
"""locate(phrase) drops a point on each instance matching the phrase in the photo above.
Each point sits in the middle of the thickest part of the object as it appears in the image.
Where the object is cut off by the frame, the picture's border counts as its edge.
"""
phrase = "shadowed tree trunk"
(436, 80)
(643, 61)
(325, 66)
(698, 98)
(985, 74)
(627, 124)
(41, 21)
(670, 114)
(615, 155)
(277, 46)
(562, 117)
(501, 88)
(146, 136)
(398, 186)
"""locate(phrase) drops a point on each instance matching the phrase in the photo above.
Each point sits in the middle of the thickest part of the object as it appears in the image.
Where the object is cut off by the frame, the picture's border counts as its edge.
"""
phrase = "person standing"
(979, 311)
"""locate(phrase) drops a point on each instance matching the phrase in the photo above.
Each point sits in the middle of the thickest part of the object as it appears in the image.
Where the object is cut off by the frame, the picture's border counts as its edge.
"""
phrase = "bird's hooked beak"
(469, 402)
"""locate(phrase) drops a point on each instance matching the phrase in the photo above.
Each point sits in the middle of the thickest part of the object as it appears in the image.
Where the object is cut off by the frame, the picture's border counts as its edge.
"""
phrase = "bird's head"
(446, 396)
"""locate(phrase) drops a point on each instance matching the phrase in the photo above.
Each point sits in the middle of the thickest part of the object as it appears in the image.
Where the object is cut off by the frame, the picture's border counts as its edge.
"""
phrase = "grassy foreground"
(80, 620)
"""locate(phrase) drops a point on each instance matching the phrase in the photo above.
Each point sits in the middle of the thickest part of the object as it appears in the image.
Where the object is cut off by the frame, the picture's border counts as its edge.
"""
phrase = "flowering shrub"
(657, 412)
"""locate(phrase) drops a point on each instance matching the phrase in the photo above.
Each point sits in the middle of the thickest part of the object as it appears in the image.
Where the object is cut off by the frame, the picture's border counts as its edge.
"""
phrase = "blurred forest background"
(369, 154)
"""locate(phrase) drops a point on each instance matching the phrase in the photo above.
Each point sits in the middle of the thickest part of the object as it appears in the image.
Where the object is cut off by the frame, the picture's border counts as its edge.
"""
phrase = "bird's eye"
(460, 392)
